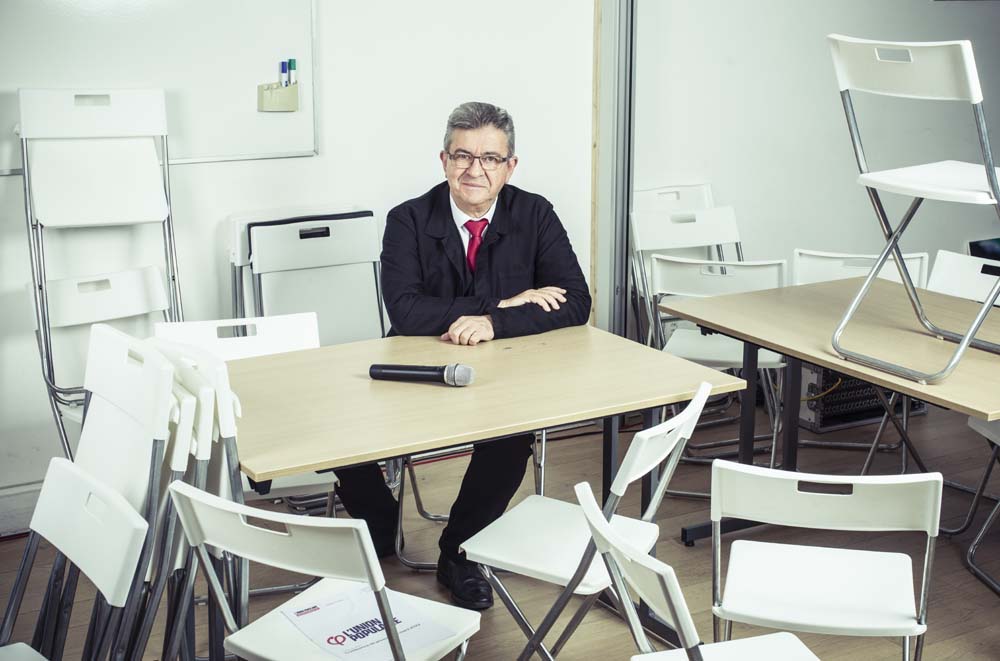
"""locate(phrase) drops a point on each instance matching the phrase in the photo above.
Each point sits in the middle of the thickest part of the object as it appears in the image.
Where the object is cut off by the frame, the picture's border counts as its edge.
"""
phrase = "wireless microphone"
(452, 375)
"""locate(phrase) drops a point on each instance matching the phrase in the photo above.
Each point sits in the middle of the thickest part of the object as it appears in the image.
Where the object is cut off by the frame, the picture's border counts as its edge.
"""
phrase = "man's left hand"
(470, 330)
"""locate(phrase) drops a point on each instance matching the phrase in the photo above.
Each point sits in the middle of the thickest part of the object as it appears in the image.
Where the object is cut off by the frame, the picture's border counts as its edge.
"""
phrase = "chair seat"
(292, 485)
(948, 181)
(273, 638)
(774, 646)
(716, 350)
(820, 590)
(544, 538)
(19, 652)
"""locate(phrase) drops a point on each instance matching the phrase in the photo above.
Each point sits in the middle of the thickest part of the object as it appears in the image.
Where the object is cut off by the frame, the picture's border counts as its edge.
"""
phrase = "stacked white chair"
(548, 539)
(679, 240)
(656, 584)
(339, 551)
(90, 160)
(98, 532)
(935, 71)
(817, 589)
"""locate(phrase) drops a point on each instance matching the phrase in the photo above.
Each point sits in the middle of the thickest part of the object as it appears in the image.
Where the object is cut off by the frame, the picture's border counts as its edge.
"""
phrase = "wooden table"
(316, 409)
(799, 323)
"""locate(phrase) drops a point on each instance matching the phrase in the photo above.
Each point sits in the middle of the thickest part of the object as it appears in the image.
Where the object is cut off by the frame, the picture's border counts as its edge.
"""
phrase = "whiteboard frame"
(253, 157)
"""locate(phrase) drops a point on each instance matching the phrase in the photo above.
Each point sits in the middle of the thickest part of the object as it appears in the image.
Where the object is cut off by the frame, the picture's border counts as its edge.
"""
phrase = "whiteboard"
(208, 55)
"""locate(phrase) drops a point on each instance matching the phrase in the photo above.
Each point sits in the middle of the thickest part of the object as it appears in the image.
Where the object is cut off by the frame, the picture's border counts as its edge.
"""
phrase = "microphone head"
(457, 374)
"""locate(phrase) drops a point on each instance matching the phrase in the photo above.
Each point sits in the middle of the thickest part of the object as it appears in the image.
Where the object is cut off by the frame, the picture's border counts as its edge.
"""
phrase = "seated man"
(469, 261)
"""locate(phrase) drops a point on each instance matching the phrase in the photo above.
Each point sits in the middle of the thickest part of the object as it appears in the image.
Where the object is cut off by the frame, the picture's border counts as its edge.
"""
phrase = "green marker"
(291, 71)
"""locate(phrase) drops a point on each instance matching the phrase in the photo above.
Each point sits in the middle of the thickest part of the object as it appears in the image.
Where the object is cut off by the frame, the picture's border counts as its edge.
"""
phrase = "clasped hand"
(471, 330)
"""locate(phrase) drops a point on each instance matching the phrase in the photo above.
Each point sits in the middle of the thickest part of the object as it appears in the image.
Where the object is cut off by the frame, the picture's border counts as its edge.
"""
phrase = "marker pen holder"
(274, 97)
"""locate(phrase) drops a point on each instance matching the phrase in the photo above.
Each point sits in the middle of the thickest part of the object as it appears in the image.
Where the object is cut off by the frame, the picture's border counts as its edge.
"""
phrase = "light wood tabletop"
(316, 409)
(799, 321)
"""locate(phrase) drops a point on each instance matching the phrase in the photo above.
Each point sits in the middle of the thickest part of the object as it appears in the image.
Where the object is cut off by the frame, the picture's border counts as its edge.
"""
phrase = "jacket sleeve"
(411, 310)
(555, 266)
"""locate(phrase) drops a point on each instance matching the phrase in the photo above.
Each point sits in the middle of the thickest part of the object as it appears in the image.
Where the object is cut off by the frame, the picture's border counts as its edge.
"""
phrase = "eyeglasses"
(463, 160)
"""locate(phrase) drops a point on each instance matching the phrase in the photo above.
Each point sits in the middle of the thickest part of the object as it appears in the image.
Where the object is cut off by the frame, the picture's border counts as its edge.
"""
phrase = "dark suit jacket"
(427, 284)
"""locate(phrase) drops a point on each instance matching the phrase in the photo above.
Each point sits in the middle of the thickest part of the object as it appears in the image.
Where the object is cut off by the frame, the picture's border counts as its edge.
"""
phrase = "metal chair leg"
(462, 650)
(408, 463)
(906, 648)
(407, 562)
(577, 618)
(970, 554)
(977, 498)
(538, 461)
(515, 611)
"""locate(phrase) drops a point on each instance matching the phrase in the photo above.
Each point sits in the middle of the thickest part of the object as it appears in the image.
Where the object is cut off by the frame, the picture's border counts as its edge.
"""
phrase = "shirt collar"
(461, 217)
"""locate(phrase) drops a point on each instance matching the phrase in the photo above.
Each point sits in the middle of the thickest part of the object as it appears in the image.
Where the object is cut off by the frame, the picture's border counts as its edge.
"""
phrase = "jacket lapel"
(441, 226)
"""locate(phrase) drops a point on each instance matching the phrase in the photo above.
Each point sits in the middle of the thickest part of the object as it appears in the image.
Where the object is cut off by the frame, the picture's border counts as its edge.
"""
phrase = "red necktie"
(476, 229)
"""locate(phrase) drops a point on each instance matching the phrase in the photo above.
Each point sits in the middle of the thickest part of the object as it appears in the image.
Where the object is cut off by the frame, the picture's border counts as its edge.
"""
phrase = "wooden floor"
(964, 616)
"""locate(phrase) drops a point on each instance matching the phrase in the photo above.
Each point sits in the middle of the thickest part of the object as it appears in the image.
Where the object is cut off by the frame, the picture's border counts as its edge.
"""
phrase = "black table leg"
(790, 413)
(609, 463)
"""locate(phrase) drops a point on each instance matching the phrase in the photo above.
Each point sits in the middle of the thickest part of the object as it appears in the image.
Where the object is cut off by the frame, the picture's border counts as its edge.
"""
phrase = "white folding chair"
(300, 255)
(657, 586)
(936, 71)
(548, 539)
(90, 159)
(680, 276)
(97, 532)
(339, 551)
(809, 266)
(817, 589)
(259, 336)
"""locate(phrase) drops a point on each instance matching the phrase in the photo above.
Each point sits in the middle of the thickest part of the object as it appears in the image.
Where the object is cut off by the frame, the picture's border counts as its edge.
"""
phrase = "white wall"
(743, 94)
(388, 73)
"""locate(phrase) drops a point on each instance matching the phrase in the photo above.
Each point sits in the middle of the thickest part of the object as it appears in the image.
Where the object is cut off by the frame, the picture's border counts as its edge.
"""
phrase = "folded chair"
(656, 584)
(96, 531)
(548, 539)
(339, 551)
(90, 160)
(936, 71)
(816, 589)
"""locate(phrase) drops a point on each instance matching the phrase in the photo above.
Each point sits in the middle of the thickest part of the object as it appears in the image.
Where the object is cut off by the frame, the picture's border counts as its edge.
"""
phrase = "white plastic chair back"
(111, 178)
(90, 299)
(804, 500)
(650, 447)
(92, 525)
(673, 198)
(264, 335)
(942, 71)
(963, 276)
(331, 548)
(131, 401)
(327, 264)
(663, 230)
(654, 582)
(679, 276)
(809, 266)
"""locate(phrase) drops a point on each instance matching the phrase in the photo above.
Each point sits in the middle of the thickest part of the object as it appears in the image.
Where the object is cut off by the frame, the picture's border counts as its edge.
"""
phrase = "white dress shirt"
(461, 218)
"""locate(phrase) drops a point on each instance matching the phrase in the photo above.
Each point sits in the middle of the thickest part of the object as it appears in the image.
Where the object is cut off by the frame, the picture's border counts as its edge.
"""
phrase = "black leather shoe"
(468, 587)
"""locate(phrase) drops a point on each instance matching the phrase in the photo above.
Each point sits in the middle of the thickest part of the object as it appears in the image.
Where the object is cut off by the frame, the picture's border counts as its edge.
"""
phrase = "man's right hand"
(547, 298)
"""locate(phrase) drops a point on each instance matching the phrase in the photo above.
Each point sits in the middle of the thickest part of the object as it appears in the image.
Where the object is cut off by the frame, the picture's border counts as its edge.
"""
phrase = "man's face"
(474, 188)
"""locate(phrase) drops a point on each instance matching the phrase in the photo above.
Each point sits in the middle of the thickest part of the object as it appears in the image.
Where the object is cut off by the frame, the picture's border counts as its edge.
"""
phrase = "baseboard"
(16, 506)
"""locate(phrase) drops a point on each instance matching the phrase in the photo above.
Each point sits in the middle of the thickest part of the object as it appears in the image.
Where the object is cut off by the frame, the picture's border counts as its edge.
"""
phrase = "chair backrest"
(942, 70)
(664, 230)
(650, 447)
(963, 276)
(130, 407)
(331, 548)
(679, 276)
(264, 335)
(832, 502)
(92, 525)
(673, 198)
(654, 581)
(810, 266)
(308, 244)
(92, 156)
(82, 300)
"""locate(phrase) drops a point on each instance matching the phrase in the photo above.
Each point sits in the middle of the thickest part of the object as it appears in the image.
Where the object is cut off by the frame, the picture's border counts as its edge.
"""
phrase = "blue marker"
(284, 73)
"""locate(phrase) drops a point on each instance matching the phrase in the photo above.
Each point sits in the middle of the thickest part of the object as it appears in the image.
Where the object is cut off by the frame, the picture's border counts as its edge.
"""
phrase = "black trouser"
(493, 476)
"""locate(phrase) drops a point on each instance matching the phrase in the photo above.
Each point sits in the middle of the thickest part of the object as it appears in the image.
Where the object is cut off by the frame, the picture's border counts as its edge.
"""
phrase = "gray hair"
(476, 114)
